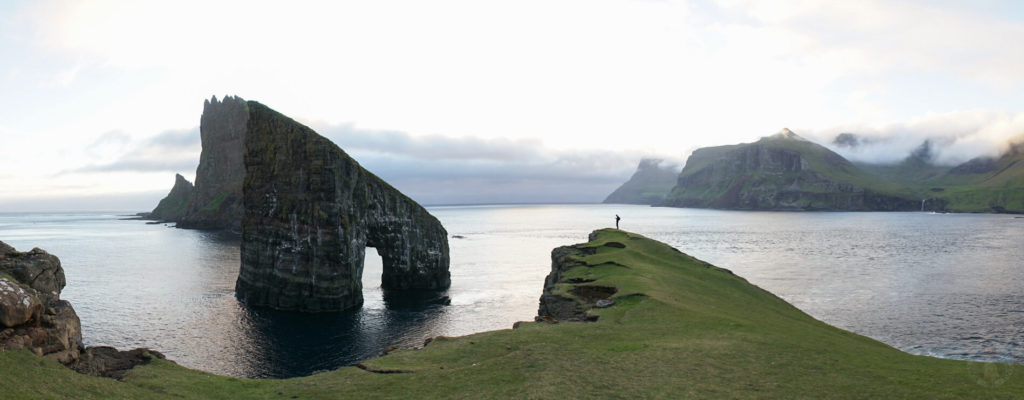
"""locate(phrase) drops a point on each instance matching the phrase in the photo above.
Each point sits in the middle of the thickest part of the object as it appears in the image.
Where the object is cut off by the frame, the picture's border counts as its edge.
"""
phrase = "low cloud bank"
(171, 151)
(439, 169)
(954, 137)
(434, 169)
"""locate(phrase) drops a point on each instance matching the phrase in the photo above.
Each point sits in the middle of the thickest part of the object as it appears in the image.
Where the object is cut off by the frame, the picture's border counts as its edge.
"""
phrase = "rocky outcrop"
(173, 207)
(216, 200)
(310, 213)
(782, 172)
(648, 185)
(34, 318)
(554, 305)
(32, 315)
(570, 299)
(108, 362)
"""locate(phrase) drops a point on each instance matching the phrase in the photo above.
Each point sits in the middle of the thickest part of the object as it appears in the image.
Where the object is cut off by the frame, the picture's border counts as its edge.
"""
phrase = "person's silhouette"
(617, 221)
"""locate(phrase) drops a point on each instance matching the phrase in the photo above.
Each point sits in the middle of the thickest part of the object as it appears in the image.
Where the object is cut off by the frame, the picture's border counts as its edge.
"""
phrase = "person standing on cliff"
(617, 221)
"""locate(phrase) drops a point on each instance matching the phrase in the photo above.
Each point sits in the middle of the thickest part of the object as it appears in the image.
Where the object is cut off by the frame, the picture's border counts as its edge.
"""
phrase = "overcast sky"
(491, 101)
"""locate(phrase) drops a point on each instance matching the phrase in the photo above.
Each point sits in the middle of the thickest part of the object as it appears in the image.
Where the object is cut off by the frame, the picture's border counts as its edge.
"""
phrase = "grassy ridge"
(680, 328)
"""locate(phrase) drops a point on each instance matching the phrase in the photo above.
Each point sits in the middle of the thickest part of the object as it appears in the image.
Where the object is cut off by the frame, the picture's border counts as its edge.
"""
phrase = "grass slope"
(910, 172)
(680, 328)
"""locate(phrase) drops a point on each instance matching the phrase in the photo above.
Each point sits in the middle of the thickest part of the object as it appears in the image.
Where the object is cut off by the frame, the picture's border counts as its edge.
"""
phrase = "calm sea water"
(944, 285)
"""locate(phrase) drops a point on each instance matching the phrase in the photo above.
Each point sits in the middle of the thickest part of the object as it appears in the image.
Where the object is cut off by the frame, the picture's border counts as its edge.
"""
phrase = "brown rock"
(17, 305)
(35, 269)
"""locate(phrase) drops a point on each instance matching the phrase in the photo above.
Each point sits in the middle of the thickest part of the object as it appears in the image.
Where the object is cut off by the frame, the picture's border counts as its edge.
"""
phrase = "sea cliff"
(215, 202)
(310, 213)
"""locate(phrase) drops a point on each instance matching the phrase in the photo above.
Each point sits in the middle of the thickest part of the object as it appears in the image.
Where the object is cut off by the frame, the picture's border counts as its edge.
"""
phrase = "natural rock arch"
(310, 213)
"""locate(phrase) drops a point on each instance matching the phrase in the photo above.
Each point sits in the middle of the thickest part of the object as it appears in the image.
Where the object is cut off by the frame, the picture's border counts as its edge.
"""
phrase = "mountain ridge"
(648, 185)
(782, 172)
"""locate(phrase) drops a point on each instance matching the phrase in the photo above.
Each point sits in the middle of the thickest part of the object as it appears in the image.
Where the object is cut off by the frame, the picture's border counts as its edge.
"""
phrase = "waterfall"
(922, 204)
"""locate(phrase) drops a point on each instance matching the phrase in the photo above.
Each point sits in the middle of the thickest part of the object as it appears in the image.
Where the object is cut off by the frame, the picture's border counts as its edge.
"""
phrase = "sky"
(457, 102)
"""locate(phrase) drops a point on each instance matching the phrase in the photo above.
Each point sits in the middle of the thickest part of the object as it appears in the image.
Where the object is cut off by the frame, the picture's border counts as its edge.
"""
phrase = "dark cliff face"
(217, 199)
(648, 185)
(571, 299)
(215, 202)
(173, 207)
(310, 213)
(781, 172)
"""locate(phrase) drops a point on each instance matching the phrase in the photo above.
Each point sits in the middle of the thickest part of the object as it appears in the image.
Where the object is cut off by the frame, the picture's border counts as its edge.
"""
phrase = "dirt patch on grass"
(370, 368)
(593, 293)
(609, 263)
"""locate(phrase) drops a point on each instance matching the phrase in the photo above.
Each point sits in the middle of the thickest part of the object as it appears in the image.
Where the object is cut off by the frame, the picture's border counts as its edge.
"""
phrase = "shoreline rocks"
(32, 315)
(34, 318)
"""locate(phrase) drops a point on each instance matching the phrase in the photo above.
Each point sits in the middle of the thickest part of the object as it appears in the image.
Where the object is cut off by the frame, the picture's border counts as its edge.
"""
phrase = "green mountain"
(783, 172)
(918, 167)
(984, 184)
(648, 185)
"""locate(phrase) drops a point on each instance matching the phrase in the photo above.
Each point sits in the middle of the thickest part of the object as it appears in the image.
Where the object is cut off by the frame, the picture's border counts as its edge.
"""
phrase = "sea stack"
(217, 199)
(174, 205)
(310, 212)
(215, 202)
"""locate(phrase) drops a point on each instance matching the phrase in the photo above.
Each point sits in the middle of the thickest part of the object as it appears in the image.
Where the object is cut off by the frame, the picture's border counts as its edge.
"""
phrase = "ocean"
(945, 285)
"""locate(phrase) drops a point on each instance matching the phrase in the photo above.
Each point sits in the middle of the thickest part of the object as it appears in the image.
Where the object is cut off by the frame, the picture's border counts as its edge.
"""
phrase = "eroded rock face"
(17, 305)
(570, 299)
(32, 315)
(36, 269)
(173, 207)
(215, 202)
(311, 211)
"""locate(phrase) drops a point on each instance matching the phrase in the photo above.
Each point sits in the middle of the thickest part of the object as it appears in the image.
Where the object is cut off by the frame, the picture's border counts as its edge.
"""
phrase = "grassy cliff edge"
(679, 328)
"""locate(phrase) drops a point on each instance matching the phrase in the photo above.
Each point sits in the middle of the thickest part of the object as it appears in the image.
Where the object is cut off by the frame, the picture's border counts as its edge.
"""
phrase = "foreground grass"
(680, 328)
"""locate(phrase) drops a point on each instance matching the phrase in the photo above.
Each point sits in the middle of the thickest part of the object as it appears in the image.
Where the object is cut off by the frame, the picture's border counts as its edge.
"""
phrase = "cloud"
(439, 169)
(433, 169)
(170, 151)
(879, 35)
(430, 146)
(955, 137)
(119, 202)
(65, 77)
